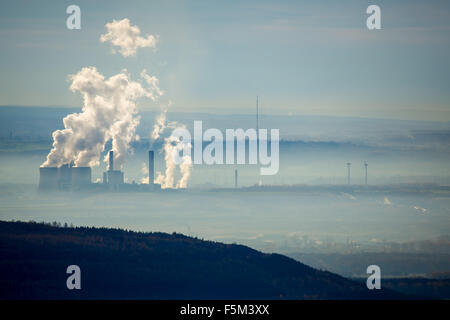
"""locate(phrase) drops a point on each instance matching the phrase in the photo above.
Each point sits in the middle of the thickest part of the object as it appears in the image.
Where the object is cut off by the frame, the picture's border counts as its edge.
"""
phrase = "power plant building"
(81, 177)
(65, 177)
(68, 177)
(114, 178)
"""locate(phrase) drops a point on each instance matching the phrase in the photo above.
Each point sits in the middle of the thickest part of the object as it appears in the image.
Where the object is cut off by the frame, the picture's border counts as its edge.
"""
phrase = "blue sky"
(300, 57)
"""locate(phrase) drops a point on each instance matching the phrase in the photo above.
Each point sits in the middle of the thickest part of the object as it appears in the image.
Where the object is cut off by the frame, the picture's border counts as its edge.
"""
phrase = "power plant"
(65, 177)
(68, 177)
(114, 178)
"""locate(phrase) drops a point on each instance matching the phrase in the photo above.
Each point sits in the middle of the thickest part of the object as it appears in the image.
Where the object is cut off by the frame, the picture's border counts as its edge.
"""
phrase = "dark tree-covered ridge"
(119, 264)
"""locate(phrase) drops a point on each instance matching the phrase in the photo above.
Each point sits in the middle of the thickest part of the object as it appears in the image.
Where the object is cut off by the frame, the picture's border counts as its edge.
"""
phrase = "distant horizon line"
(240, 114)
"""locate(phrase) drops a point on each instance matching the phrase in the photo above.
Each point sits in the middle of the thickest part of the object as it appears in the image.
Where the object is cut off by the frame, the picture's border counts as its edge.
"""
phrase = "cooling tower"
(151, 167)
(48, 178)
(65, 177)
(81, 177)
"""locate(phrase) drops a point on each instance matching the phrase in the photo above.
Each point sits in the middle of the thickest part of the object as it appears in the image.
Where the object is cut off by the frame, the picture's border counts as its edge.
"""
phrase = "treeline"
(120, 264)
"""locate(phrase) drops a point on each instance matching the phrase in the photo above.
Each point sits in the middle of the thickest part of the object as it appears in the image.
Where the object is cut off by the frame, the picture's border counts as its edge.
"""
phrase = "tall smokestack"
(365, 165)
(348, 172)
(111, 160)
(257, 117)
(151, 167)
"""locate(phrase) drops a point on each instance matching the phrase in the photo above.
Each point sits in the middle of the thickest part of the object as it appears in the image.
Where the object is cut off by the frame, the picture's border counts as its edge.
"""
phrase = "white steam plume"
(159, 126)
(144, 171)
(127, 37)
(173, 145)
(185, 169)
(109, 112)
(167, 180)
(161, 123)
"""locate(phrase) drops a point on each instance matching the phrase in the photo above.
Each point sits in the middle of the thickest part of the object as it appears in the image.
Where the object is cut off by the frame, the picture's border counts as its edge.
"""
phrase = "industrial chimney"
(111, 160)
(348, 172)
(151, 167)
(365, 166)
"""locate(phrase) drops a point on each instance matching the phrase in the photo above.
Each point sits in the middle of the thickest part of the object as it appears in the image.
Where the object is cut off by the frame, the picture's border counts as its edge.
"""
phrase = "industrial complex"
(69, 177)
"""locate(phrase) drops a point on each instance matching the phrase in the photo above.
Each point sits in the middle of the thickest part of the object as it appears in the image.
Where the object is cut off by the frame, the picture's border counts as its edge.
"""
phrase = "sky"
(299, 57)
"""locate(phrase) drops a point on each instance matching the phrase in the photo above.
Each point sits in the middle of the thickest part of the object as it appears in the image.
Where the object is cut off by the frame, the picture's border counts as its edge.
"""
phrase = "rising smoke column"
(109, 112)
(173, 146)
(167, 180)
(121, 34)
(159, 126)
(144, 170)
(161, 123)
(185, 168)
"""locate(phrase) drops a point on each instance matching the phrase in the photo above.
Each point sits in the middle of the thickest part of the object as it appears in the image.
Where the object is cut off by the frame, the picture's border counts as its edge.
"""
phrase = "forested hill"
(119, 264)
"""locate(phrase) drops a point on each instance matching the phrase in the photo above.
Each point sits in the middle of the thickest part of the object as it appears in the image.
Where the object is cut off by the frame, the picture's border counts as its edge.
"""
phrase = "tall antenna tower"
(257, 118)
(365, 167)
(348, 172)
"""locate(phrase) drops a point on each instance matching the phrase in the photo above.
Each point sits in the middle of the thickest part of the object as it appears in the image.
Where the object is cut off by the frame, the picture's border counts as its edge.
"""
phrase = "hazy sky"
(300, 57)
